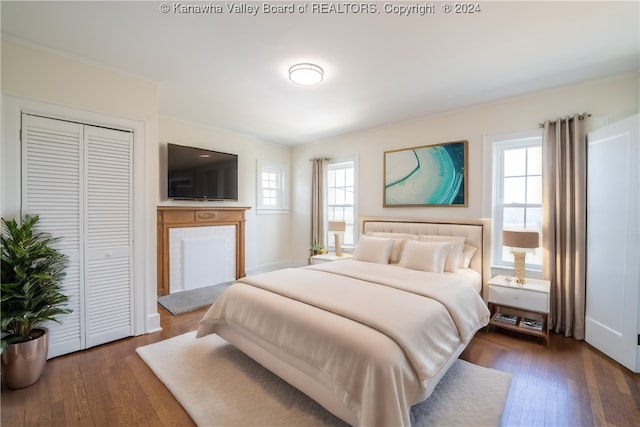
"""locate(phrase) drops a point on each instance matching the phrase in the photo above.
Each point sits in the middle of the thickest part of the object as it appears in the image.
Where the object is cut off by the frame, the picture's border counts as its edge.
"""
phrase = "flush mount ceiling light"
(306, 74)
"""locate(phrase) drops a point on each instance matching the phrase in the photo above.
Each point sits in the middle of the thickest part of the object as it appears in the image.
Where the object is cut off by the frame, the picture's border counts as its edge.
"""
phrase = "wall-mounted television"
(199, 174)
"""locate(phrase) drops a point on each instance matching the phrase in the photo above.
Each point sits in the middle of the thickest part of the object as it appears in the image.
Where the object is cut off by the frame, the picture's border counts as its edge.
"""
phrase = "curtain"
(317, 202)
(564, 221)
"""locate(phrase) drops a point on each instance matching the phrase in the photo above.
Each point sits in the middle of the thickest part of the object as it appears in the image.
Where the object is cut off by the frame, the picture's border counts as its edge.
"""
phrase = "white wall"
(267, 236)
(612, 99)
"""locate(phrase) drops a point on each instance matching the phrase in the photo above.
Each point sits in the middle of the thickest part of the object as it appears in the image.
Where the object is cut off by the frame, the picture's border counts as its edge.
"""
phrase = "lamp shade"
(337, 226)
(520, 239)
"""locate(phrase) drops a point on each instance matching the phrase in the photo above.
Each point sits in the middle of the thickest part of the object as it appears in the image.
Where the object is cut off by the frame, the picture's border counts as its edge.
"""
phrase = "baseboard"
(153, 323)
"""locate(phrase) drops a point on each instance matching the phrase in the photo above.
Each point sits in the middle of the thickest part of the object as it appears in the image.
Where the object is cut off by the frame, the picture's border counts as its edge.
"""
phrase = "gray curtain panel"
(564, 221)
(317, 201)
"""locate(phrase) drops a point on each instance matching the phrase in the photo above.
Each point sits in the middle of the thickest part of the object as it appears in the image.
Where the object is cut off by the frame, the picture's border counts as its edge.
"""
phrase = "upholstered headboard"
(476, 231)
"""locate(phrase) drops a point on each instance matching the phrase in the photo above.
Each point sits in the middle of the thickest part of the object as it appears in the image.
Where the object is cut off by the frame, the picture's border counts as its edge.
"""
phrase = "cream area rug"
(219, 386)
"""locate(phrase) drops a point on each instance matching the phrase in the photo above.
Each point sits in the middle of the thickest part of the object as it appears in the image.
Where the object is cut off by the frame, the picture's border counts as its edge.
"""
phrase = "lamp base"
(518, 265)
(337, 244)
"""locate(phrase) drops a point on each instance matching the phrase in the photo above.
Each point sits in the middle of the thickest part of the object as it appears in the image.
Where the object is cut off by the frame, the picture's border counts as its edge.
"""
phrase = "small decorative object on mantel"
(430, 175)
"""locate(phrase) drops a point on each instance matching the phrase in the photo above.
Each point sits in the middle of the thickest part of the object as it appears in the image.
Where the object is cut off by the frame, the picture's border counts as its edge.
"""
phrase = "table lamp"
(337, 227)
(520, 243)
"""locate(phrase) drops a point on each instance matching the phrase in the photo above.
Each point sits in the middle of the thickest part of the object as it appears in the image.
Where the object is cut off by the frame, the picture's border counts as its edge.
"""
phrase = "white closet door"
(108, 235)
(51, 171)
(612, 322)
(78, 178)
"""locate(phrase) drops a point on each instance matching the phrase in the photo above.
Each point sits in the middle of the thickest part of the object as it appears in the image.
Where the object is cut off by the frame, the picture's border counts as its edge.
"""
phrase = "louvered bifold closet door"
(78, 178)
(51, 188)
(108, 231)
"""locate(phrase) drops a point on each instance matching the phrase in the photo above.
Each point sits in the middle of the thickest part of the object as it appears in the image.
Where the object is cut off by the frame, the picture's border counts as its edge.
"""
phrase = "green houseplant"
(32, 273)
(317, 249)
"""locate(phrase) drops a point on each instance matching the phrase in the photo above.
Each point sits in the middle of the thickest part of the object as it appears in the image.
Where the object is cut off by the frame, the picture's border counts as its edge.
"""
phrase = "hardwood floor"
(568, 384)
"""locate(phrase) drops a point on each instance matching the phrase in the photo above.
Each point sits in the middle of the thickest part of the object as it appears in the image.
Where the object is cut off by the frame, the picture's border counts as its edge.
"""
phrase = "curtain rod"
(323, 158)
(580, 117)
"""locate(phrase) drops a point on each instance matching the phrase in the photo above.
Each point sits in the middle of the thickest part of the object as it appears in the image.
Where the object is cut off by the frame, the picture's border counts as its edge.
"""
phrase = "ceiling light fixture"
(306, 74)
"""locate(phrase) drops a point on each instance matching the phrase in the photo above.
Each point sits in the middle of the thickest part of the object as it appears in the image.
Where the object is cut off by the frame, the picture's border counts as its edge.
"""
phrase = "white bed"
(365, 339)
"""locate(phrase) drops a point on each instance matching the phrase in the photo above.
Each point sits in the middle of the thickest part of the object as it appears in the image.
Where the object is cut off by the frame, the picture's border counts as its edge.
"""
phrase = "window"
(272, 188)
(517, 191)
(341, 200)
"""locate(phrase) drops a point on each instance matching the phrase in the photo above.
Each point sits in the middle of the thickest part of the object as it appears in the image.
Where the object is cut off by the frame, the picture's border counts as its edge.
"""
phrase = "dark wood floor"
(568, 384)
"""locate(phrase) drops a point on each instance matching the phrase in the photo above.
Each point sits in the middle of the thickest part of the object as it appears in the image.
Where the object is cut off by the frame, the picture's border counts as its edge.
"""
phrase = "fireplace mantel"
(187, 216)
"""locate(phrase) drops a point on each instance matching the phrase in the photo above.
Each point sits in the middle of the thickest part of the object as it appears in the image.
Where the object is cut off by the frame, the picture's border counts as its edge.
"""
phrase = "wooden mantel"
(201, 216)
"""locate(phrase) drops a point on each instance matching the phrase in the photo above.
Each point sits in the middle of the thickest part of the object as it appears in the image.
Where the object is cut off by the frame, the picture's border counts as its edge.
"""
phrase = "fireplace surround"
(187, 216)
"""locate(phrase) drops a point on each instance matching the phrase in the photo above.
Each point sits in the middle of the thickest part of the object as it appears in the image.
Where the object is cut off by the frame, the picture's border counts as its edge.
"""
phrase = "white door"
(78, 178)
(108, 241)
(51, 188)
(613, 236)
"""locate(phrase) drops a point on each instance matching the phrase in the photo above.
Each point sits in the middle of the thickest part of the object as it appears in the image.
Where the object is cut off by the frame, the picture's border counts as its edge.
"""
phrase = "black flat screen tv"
(199, 174)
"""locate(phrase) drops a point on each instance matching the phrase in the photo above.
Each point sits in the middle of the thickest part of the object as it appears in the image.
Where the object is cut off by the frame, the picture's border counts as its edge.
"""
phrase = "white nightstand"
(528, 301)
(319, 259)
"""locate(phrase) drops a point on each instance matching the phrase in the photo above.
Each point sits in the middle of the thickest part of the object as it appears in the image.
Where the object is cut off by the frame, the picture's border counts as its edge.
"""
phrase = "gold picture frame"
(427, 175)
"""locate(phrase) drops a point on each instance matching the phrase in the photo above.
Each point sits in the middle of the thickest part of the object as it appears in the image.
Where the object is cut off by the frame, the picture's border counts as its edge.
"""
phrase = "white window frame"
(282, 190)
(354, 226)
(495, 146)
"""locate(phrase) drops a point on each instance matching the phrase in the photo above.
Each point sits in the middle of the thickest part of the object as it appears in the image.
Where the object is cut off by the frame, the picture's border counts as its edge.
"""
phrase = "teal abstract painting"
(430, 175)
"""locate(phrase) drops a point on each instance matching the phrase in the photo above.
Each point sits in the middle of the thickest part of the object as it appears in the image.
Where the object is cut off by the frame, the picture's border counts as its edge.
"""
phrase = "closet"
(78, 178)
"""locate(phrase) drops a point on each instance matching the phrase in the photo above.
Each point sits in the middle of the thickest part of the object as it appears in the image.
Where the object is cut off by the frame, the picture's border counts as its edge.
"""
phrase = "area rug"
(219, 386)
(193, 299)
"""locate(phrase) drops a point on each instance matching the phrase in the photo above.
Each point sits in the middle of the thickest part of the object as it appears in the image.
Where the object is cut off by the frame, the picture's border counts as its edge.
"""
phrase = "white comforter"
(375, 335)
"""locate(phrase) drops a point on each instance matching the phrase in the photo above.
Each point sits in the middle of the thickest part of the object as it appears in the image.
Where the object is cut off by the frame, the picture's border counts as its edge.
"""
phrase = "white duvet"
(375, 335)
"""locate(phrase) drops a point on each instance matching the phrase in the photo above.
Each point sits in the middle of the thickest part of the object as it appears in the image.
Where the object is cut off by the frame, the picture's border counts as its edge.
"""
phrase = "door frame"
(10, 190)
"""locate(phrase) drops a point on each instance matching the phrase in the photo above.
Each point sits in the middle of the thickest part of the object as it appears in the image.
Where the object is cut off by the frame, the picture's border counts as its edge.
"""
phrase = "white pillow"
(455, 251)
(399, 240)
(373, 249)
(467, 254)
(425, 256)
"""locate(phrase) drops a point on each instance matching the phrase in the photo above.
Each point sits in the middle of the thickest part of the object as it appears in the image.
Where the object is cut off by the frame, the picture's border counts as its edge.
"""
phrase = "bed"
(369, 337)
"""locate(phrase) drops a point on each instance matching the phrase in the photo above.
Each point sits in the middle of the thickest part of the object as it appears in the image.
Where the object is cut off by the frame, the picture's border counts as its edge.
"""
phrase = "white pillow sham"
(373, 249)
(399, 240)
(425, 256)
(455, 251)
(467, 253)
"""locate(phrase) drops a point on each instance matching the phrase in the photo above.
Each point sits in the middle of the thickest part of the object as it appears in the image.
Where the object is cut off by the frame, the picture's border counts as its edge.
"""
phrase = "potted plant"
(317, 249)
(32, 272)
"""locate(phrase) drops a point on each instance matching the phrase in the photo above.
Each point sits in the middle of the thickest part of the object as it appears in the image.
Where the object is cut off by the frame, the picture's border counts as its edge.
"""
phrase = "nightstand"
(319, 259)
(520, 307)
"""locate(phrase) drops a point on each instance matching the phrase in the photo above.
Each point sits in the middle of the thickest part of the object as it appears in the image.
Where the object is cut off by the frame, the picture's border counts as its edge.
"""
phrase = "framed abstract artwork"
(429, 175)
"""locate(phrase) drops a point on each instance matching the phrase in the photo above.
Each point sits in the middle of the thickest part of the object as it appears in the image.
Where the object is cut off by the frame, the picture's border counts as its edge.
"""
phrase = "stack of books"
(506, 318)
(531, 324)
